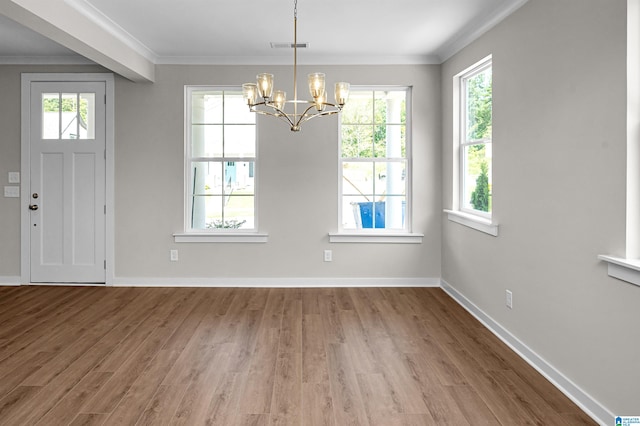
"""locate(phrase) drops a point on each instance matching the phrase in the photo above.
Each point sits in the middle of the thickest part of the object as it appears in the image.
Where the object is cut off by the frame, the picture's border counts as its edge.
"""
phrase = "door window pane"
(50, 116)
(68, 116)
(87, 115)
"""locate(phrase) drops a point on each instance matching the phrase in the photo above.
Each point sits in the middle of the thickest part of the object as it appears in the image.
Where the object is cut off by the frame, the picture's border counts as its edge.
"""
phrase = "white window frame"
(627, 268)
(476, 69)
(475, 219)
(379, 235)
(214, 235)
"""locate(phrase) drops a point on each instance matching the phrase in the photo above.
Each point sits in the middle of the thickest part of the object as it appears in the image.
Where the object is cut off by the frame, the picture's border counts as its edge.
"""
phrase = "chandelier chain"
(295, 9)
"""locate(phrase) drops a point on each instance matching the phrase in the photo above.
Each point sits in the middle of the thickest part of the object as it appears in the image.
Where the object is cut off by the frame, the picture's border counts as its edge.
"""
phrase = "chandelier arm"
(278, 112)
(307, 117)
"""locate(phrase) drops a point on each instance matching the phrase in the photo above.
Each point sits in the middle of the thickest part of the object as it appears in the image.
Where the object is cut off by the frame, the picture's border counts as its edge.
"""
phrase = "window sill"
(221, 238)
(478, 223)
(361, 237)
(623, 269)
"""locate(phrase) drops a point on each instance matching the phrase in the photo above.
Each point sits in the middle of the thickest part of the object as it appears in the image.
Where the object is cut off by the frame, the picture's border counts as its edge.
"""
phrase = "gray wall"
(298, 181)
(559, 72)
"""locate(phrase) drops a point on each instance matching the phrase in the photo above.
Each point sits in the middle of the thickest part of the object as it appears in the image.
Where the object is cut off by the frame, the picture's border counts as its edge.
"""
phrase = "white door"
(67, 183)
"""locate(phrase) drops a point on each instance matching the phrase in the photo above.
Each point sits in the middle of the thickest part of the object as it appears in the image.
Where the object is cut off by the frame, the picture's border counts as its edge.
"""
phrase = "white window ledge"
(623, 269)
(476, 222)
(220, 238)
(362, 237)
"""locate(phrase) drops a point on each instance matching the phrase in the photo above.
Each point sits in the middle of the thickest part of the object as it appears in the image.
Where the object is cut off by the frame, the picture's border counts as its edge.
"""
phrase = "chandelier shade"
(263, 99)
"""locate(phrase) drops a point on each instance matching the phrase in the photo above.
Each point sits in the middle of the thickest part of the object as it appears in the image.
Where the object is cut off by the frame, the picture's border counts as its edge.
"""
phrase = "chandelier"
(263, 99)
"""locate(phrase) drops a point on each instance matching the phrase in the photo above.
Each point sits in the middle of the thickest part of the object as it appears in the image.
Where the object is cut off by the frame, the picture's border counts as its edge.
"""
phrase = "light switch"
(14, 177)
(12, 191)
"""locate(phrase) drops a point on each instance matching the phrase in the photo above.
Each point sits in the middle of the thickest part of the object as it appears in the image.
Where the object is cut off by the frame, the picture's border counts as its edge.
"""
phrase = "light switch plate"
(12, 191)
(14, 177)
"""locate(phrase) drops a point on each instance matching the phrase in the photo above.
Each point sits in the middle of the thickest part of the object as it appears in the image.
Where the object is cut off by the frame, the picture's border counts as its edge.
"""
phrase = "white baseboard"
(275, 282)
(6, 281)
(588, 404)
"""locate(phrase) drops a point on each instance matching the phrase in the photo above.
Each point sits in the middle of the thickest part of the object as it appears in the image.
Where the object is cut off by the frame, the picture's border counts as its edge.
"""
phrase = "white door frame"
(25, 168)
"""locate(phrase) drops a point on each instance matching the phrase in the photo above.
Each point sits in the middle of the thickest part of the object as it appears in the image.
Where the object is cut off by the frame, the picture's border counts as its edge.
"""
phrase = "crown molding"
(103, 21)
(308, 60)
(465, 38)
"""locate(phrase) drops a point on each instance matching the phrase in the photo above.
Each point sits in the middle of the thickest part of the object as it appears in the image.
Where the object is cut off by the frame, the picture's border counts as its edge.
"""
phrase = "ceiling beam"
(59, 21)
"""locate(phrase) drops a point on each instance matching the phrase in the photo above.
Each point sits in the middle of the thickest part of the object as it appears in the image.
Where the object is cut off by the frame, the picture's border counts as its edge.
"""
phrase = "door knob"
(33, 207)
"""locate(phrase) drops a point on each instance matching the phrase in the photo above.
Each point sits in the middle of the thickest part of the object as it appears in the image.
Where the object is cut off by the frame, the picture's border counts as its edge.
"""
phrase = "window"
(375, 160)
(220, 161)
(475, 139)
(68, 116)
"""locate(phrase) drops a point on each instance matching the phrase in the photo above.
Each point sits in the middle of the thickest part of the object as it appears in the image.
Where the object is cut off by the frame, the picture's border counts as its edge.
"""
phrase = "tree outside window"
(476, 132)
(374, 160)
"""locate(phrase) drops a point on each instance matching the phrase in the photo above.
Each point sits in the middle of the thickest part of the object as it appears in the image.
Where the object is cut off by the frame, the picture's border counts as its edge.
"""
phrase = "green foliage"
(479, 106)
(480, 196)
(66, 104)
(475, 155)
(364, 128)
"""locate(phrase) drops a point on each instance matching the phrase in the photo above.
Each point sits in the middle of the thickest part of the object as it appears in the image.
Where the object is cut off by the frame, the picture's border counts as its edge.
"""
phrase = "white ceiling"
(240, 31)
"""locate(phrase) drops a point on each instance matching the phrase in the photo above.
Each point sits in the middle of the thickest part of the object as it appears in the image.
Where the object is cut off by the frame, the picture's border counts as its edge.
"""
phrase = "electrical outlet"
(328, 256)
(174, 255)
(509, 299)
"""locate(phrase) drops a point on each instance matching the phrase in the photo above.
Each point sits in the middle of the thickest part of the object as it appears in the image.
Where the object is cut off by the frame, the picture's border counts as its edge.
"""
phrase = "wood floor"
(90, 356)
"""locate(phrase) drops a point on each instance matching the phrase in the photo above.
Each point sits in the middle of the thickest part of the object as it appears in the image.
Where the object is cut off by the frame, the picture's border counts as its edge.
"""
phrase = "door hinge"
(105, 209)
(105, 154)
(105, 99)
(105, 265)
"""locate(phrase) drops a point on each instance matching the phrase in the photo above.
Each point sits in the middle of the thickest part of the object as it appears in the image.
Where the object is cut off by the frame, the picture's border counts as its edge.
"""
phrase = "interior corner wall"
(559, 146)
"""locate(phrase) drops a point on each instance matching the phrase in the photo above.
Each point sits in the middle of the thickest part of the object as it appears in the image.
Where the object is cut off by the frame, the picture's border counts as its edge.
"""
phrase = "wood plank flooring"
(225, 356)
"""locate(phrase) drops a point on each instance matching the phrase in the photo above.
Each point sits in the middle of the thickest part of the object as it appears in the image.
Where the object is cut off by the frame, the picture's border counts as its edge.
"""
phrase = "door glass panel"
(87, 115)
(50, 116)
(69, 113)
(68, 116)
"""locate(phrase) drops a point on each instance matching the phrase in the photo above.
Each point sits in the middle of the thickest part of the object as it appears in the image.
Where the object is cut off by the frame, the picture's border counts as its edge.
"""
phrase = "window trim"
(627, 268)
(188, 233)
(474, 219)
(461, 140)
(374, 234)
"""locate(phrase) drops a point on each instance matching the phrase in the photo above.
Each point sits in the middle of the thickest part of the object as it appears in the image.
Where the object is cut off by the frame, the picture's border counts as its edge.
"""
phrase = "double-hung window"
(475, 139)
(220, 161)
(375, 164)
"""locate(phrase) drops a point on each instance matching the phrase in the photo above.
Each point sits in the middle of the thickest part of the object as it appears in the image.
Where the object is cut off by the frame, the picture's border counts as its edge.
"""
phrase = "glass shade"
(279, 98)
(265, 85)
(316, 84)
(342, 93)
(250, 93)
(321, 101)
